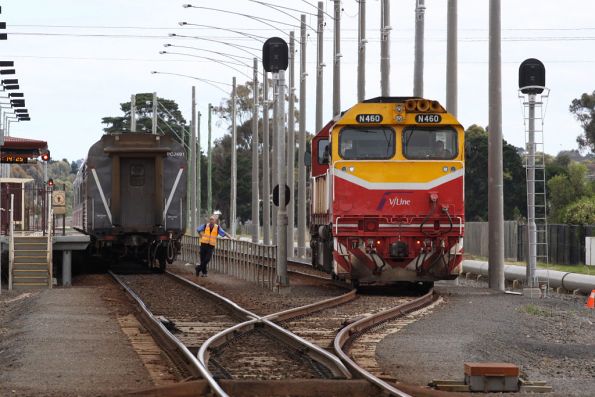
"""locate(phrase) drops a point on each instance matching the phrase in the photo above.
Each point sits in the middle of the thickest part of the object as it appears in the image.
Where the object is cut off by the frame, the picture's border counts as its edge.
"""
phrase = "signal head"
(45, 156)
(50, 182)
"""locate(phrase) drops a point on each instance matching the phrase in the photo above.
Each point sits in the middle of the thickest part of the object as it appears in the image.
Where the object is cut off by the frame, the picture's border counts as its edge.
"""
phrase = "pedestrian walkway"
(67, 343)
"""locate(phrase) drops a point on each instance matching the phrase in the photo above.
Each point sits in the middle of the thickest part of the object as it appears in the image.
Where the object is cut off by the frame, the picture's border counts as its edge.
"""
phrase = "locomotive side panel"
(175, 186)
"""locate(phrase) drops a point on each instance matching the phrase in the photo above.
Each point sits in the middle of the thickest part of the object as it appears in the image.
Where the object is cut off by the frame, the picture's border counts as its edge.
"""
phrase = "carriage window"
(376, 143)
(137, 175)
(430, 143)
(323, 151)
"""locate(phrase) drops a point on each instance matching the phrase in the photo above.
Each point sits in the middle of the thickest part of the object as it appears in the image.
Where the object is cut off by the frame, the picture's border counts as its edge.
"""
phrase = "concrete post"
(266, 173)
(495, 172)
(291, 146)
(337, 60)
(192, 173)
(301, 215)
(209, 168)
(361, 53)
(385, 29)
(451, 59)
(66, 268)
(418, 68)
(255, 204)
(282, 279)
(133, 113)
(234, 168)
(319, 67)
(154, 120)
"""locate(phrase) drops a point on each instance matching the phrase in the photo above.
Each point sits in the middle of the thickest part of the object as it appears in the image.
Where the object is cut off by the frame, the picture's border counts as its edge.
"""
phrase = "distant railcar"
(130, 197)
(387, 200)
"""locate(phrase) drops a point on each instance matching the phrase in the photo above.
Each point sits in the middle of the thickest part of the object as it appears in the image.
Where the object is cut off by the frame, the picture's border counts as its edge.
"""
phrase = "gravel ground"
(550, 339)
(256, 299)
(65, 342)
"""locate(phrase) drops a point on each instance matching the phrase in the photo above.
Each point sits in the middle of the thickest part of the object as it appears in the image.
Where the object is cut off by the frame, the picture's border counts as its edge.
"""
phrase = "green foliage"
(170, 119)
(581, 212)
(583, 109)
(476, 177)
(565, 188)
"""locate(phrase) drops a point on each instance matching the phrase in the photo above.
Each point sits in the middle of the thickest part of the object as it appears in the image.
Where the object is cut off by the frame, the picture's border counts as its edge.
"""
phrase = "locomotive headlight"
(445, 169)
(351, 169)
(399, 119)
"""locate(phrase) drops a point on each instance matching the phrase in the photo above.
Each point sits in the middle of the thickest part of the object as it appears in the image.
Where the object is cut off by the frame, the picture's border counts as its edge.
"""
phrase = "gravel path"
(65, 342)
(550, 339)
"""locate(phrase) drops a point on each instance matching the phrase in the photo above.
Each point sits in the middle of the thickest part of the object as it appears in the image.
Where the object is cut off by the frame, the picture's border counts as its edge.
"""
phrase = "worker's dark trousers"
(206, 252)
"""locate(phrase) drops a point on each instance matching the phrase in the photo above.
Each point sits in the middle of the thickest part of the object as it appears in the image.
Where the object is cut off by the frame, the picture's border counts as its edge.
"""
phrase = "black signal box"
(275, 55)
(532, 73)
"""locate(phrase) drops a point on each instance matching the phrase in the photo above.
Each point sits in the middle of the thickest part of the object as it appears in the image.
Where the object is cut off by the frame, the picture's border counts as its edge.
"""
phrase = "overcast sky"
(78, 60)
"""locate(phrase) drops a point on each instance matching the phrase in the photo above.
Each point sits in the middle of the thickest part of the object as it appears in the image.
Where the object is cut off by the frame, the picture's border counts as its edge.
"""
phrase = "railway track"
(228, 342)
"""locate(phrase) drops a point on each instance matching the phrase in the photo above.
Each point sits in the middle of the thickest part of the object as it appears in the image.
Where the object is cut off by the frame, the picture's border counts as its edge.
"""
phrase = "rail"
(242, 259)
(353, 330)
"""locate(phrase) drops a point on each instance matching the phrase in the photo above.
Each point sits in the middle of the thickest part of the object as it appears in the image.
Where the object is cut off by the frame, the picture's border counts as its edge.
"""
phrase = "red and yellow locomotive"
(387, 191)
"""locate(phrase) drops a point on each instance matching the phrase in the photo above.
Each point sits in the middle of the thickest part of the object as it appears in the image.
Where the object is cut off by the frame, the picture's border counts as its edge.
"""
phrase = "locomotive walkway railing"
(242, 259)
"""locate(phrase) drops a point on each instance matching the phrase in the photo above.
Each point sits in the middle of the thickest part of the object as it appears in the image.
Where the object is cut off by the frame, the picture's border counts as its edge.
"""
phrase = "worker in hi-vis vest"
(208, 240)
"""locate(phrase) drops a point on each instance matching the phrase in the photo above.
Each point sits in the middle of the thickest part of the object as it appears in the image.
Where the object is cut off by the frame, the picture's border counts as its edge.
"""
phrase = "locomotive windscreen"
(429, 143)
(367, 143)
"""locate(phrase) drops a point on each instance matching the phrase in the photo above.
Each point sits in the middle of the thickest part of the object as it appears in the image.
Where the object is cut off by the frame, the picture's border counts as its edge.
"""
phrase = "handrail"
(10, 245)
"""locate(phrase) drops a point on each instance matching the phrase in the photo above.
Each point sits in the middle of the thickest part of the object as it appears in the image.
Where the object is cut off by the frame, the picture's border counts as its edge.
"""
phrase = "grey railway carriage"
(130, 197)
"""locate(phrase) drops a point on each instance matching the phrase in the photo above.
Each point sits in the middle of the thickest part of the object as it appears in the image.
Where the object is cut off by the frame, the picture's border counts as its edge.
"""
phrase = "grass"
(580, 269)
(535, 310)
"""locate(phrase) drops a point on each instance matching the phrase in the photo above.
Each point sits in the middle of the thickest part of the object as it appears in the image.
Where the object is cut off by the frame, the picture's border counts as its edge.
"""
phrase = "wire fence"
(242, 259)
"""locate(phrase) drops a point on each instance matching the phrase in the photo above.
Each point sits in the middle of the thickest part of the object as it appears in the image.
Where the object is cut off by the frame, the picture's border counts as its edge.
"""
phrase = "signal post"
(275, 59)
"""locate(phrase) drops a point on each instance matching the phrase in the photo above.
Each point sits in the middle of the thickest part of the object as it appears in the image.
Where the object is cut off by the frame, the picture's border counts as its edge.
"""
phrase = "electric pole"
(385, 29)
(154, 120)
(266, 162)
(234, 168)
(361, 53)
(209, 168)
(495, 177)
(198, 172)
(319, 67)
(255, 205)
(282, 278)
(337, 60)
(451, 59)
(291, 146)
(418, 68)
(193, 165)
(301, 221)
(133, 113)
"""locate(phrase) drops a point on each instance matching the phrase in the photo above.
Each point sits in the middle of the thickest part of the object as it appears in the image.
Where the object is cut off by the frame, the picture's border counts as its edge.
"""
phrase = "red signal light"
(50, 182)
(45, 156)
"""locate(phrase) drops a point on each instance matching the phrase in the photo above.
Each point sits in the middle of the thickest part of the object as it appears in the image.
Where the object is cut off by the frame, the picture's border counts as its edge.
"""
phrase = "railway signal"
(50, 182)
(275, 59)
(45, 156)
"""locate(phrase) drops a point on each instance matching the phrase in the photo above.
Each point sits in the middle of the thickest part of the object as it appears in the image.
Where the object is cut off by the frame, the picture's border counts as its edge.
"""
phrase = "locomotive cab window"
(137, 175)
(324, 151)
(430, 143)
(376, 143)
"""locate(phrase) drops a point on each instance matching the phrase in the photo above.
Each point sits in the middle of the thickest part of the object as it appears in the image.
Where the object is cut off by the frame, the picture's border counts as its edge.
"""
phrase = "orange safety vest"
(210, 236)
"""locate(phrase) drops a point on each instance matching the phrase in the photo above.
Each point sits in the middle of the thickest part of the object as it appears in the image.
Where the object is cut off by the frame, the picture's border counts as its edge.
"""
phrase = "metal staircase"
(30, 261)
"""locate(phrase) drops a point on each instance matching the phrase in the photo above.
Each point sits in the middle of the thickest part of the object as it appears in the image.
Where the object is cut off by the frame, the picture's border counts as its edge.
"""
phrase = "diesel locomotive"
(130, 197)
(387, 197)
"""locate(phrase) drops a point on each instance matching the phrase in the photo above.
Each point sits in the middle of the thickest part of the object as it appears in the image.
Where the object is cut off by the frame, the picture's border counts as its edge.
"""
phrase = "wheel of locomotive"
(161, 259)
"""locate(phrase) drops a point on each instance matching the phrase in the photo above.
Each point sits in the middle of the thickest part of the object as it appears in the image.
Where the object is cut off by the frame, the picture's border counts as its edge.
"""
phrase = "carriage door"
(137, 192)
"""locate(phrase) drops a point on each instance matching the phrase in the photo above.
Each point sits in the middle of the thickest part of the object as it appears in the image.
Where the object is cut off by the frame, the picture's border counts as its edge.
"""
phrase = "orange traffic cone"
(591, 300)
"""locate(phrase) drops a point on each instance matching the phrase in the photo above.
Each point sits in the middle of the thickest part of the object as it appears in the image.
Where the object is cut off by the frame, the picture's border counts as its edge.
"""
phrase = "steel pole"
(319, 67)
(337, 60)
(133, 113)
(301, 215)
(291, 147)
(361, 53)
(418, 68)
(274, 168)
(385, 29)
(266, 171)
(451, 59)
(154, 121)
(495, 177)
(255, 205)
(531, 227)
(209, 168)
(282, 279)
(234, 170)
(193, 165)
(198, 157)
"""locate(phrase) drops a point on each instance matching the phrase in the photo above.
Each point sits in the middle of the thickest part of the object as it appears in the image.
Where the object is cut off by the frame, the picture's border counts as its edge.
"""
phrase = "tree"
(170, 119)
(581, 212)
(583, 109)
(567, 188)
(476, 177)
